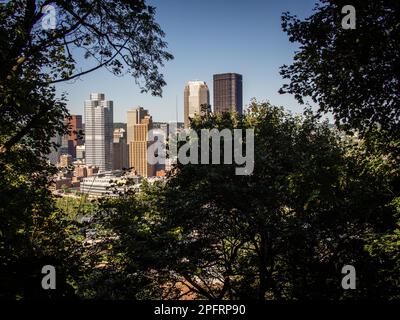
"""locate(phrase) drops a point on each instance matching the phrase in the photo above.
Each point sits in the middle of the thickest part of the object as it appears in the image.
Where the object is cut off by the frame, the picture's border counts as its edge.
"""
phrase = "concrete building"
(80, 171)
(104, 184)
(92, 170)
(196, 94)
(134, 117)
(99, 132)
(74, 137)
(54, 155)
(160, 134)
(80, 152)
(65, 160)
(60, 183)
(228, 93)
(120, 150)
(138, 148)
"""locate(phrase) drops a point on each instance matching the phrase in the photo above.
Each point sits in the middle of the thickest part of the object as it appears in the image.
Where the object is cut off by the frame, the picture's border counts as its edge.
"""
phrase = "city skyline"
(243, 45)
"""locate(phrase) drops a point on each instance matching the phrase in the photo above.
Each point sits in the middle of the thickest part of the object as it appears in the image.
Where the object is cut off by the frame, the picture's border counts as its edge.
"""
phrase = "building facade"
(99, 132)
(138, 148)
(65, 160)
(120, 150)
(80, 152)
(228, 93)
(55, 152)
(74, 138)
(196, 94)
(134, 117)
(105, 184)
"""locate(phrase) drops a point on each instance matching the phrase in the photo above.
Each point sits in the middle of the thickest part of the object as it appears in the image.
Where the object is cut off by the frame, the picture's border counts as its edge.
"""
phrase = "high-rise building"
(64, 147)
(228, 93)
(138, 148)
(120, 150)
(135, 116)
(55, 152)
(99, 132)
(196, 94)
(74, 138)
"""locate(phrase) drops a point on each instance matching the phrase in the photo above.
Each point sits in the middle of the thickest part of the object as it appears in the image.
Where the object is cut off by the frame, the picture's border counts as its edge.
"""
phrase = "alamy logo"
(349, 20)
(349, 280)
(49, 280)
(189, 143)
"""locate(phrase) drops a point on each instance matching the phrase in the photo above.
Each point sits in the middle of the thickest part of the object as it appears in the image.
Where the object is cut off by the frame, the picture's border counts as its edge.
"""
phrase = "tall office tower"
(74, 139)
(160, 134)
(55, 152)
(196, 94)
(120, 150)
(228, 93)
(135, 116)
(99, 132)
(138, 148)
(64, 146)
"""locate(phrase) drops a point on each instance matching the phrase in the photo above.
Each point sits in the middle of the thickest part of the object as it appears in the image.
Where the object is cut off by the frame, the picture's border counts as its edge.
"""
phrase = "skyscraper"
(99, 132)
(55, 153)
(228, 93)
(120, 150)
(138, 148)
(135, 116)
(196, 94)
(74, 140)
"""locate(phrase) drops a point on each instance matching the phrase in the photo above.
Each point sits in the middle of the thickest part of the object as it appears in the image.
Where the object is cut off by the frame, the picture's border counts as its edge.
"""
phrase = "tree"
(354, 75)
(283, 232)
(119, 35)
(351, 73)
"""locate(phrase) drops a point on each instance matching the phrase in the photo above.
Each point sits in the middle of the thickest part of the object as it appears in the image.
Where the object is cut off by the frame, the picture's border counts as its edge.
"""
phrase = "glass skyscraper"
(99, 132)
(228, 93)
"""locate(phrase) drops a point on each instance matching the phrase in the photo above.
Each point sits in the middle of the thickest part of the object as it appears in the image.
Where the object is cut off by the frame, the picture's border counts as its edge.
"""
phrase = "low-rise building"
(108, 183)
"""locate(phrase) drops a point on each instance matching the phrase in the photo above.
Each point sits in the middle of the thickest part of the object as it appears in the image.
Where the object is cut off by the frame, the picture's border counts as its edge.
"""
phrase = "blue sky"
(206, 37)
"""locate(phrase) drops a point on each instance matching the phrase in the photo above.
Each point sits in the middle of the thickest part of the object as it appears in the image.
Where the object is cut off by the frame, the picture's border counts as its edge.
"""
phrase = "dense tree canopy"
(352, 73)
(121, 36)
(285, 232)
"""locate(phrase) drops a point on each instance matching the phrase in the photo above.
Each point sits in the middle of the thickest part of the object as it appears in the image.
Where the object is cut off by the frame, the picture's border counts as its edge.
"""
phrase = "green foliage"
(120, 35)
(310, 207)
(76, 208)
(351, 73)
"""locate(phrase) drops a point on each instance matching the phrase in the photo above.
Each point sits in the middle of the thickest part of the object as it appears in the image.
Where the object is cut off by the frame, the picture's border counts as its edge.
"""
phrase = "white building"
(196, 94)
(99, 132)
(105, 184)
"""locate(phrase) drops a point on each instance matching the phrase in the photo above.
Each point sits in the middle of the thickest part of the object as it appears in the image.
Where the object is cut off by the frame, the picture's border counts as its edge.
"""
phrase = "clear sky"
(206, 37)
